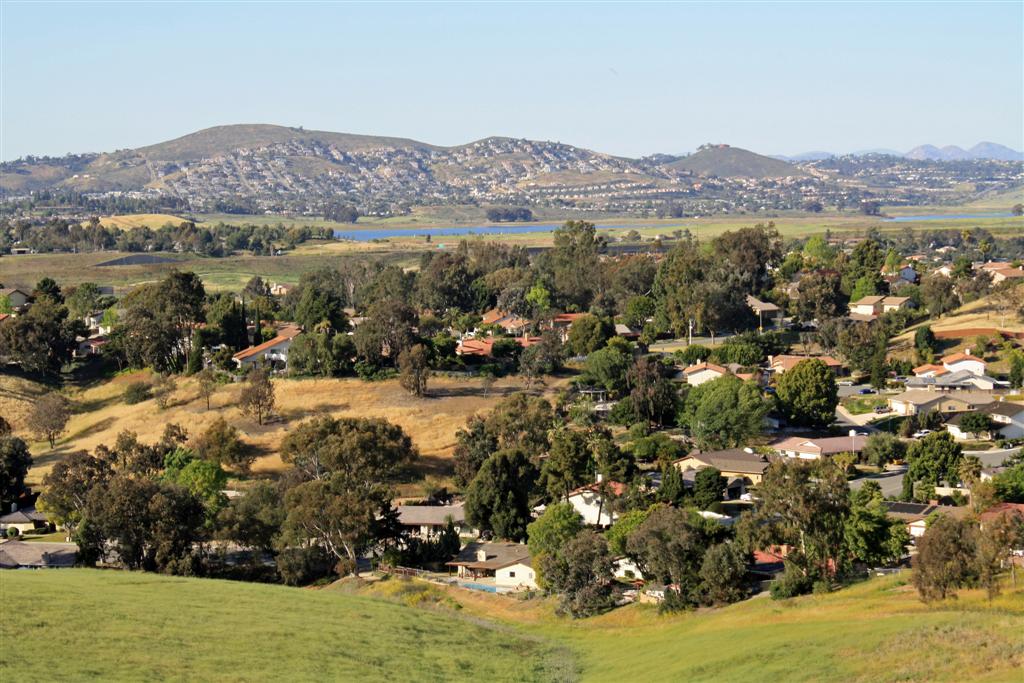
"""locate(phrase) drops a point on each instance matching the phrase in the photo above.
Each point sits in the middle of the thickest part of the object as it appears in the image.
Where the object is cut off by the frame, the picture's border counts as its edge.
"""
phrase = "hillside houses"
(734, 463)
(1007, 421)
(505, 566)
(272, 353)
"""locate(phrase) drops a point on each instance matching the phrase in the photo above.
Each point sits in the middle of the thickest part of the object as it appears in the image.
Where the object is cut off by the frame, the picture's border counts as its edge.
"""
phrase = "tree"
(15, 461)
(567, 464)
(723, 574)
(253, 520)
(939, 294)
(257, 397)
(163, 386)
(652, 394)
(207, 382)
(724, 412)
(582, 572)
(548, 534)
(414, 369)
(708, 486)
(157, 318)
(669, 548)
(1009, 485)
(627, 522)
(473, 444)
(673, 489)
(808, 393)
(930, 461)
(49, 416)
(870, 536)
(882, 448)
(67, 486)
(203, 479)
(944, 558)
(42, 339)
(219, 443)
(572, 262)
(867, 260)
(979, 424)
(86, 299)
(365, 450)
(522, 421)
(608, 367)
(804, 505)
(925, 342)
(638, 309)
(587, 334)
(498, 498)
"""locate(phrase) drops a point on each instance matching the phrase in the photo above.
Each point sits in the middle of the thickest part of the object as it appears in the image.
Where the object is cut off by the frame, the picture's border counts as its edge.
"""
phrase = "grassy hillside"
(121, 625)
(735, 162)
(131, 626)
(101, 414)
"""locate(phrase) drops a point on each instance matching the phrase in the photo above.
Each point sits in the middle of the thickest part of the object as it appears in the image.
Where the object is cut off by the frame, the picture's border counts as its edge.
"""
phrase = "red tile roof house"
(595, 508)
(699, 373)
(512, 324)
(273, 352)
(814, 449)
(483, 346)
(563, 321)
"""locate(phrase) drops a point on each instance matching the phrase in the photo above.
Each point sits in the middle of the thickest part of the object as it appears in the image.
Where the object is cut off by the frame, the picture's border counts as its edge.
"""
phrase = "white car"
(923, 432)
(845, 383)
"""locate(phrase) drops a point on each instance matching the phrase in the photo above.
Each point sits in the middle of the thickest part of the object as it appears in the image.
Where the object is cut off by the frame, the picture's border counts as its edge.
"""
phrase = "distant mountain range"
(982, 150)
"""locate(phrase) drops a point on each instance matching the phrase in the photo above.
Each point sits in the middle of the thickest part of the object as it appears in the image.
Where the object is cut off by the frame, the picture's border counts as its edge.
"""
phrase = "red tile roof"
(957, 357)
(567, 317)
(265, 346)
(616, 487)
(699, 367)
(1008, 509)
(789, 362)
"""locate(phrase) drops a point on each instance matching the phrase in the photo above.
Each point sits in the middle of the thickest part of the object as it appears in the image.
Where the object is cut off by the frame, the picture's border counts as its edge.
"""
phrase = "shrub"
(137, 392)
(791, 584)
(12, 532)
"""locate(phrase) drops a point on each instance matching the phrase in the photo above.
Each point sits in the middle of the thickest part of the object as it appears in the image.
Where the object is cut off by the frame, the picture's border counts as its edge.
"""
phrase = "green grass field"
(110, 625)
(115, 625)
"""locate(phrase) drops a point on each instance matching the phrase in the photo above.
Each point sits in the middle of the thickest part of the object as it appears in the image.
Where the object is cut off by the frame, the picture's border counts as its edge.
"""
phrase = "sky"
(629, 79)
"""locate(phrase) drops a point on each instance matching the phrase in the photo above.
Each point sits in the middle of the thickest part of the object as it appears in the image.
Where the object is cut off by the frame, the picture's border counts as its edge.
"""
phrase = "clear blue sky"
(627, 79)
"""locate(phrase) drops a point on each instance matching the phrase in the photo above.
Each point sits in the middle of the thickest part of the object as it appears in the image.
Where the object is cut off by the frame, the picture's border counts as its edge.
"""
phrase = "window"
(512, 575)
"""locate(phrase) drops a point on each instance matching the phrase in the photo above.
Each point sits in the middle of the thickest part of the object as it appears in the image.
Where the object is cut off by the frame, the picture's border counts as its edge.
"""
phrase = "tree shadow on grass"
(92, 429)
(479, 392)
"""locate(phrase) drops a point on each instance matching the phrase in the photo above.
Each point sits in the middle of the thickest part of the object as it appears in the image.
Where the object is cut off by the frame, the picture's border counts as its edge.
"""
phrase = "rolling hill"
(733, 162)
(982, 150)
(110, 625)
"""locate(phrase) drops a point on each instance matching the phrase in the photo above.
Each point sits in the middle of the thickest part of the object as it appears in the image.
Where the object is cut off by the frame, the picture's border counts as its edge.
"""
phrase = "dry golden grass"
(139, 220)
(101, 414)
(16, 398)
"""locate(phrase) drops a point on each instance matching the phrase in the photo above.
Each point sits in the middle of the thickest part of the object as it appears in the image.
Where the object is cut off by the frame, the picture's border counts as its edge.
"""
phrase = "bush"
(12, 532)
(137, 392)
(791, 584)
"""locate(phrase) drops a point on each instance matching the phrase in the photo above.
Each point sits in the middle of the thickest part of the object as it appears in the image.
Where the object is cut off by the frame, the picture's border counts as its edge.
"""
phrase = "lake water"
(948, 217)
(511, 229)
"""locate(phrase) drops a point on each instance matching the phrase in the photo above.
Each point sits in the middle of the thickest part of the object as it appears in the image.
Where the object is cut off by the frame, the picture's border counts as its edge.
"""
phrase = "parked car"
(921, 432)
(866, 391)
(882, 409)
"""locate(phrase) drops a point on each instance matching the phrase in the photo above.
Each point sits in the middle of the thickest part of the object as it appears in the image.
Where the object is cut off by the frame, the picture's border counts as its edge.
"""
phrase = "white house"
(870, 307)
(1007, 421)
(593, 506)
(273, 352)
(697, 374)
(507, 565)
(951, 381)
(964, 361)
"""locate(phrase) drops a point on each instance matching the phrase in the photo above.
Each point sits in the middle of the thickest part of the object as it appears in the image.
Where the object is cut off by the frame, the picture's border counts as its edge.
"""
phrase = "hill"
(982, 150)
(131, 626)
(726, 161)
(116, 625)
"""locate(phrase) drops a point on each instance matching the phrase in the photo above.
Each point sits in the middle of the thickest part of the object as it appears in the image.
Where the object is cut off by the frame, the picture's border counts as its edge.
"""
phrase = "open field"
(132, 626)
(116, 625)
(139, 220)
(101, 414)
(232, 273)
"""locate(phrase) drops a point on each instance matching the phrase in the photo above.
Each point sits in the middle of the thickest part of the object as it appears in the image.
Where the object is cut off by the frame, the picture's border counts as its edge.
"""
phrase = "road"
(892, 482)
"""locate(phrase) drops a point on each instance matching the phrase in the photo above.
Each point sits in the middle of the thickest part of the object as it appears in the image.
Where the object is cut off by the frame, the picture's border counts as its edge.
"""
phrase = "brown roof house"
(503, 566)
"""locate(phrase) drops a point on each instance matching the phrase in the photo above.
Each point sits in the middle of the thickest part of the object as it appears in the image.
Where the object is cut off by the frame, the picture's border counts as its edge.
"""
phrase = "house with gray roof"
(32, 555)
(427, 521)
(503, 565)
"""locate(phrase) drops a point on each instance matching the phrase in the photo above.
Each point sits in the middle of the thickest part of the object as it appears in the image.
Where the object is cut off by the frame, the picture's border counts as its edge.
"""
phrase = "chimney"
(968, 350)
(600, 477)
(481, 555)
(14, 507)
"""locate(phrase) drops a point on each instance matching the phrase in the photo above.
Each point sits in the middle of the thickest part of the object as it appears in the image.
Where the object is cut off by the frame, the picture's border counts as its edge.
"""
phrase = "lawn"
(110, 625)
(115, 625)
(858, 405)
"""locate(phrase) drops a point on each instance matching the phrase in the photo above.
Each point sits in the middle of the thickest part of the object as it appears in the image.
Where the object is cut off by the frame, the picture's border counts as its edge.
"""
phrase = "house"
(742, 463)
(17, 298)
(625, 568)
(483, 346)
(781, 363)
(697, 374)
(907, 273)
(37, 555)
(563, 321)
(921, 401)
(870, 307)
(593, 504)
(815, 448)
(273, 352)
(626, 332)
(765, 310)
(929, 370)
(512, 324)
(951, 381)
(915, 515)
(508, 565)
(427, 521)
(93, 346)
(1000, 271)
(1007, 421)
(1012, 510)
(964, 361)
(277, 289)
(24, 520)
